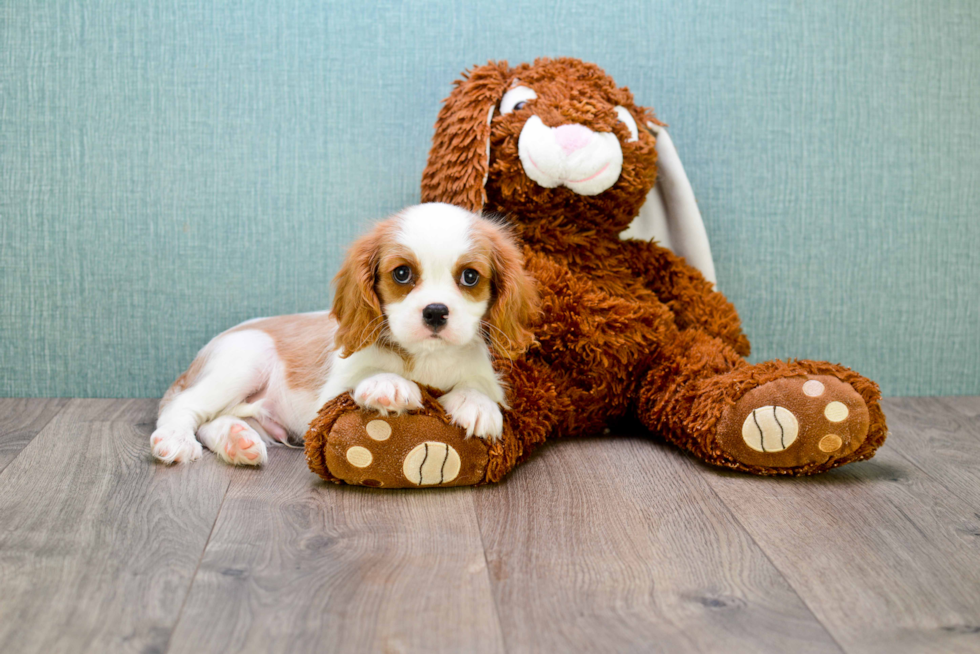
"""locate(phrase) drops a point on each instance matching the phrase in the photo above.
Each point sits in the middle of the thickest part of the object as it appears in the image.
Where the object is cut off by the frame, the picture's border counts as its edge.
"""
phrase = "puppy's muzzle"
(435, 316)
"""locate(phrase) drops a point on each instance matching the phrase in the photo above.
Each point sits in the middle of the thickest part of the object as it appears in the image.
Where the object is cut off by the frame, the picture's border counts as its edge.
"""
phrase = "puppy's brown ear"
(515, 301)
(460, 156)
(356, 305)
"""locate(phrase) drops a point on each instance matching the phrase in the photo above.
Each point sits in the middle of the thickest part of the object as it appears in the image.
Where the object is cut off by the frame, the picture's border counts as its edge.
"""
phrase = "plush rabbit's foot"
(418, 449)
(795, 422)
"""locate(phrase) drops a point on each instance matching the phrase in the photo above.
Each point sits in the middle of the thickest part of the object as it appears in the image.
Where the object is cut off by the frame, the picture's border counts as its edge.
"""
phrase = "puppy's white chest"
(442, 370)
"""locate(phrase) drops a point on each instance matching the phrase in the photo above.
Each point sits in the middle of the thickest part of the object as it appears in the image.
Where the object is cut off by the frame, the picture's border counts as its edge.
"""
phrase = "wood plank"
(941, 438)
(20, 420)
(618, 544)
(298, 565)
(887, 557)
(98, 545)
(968, 406)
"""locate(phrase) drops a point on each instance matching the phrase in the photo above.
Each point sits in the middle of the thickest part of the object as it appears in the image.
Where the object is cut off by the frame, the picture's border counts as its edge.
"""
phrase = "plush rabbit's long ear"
(670, 214)
(460, 157)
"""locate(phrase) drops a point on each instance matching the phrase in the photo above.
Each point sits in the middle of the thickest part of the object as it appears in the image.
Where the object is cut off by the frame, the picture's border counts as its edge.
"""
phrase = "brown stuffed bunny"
(628, 329)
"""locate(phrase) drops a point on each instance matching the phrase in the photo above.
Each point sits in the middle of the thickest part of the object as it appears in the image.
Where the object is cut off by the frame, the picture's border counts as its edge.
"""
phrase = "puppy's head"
(434, 276)
(554, 138)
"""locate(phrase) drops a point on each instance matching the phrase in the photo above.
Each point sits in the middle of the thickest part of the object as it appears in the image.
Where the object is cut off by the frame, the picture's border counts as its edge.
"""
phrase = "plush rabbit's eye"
(516, 98)
(627, 119)
(402, 274)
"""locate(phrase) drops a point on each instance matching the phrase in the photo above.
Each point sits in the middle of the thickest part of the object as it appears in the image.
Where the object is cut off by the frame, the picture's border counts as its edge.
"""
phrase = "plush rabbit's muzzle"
(570, 155)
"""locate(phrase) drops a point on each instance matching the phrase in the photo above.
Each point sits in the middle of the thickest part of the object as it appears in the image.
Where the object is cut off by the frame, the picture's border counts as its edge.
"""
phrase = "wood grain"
(98, 545)
(605, 544)
(941, 438)
(20, 421)
(297, 565)
(887, 557)
(617, 544)
(967, 406)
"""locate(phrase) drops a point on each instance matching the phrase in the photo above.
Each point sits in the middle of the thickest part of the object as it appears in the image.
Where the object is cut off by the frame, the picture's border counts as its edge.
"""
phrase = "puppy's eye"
(469, 277)
(627, 119)
(516, 99)
(402, 274)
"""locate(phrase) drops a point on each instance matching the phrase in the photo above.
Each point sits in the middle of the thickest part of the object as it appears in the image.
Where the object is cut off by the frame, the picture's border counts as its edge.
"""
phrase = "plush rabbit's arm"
(693, 299)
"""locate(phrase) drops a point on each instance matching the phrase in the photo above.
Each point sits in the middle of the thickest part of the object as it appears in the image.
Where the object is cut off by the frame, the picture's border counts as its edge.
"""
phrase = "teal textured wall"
(169, 168)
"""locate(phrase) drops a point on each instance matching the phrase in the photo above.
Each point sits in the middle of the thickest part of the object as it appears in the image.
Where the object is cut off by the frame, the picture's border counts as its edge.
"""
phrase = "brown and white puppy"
(421, 299)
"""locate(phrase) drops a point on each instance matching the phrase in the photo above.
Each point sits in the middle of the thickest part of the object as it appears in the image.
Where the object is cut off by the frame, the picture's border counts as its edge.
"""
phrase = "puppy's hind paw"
(174, 446)
(235, 442)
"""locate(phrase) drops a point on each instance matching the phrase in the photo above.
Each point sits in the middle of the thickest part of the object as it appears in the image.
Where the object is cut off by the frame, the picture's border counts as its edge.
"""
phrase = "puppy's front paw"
(474, 412)
(388, 392)
(171, 445)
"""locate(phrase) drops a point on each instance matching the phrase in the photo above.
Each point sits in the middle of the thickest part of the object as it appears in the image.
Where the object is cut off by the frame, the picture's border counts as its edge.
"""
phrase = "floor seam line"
(775, 567)
(197, 568)
(38, 432)
(938, 481)
(486, 563)
(912, 462)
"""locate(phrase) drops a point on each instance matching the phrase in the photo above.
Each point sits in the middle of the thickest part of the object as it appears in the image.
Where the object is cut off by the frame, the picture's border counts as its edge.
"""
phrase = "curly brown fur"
(627, 329)
(627, 326)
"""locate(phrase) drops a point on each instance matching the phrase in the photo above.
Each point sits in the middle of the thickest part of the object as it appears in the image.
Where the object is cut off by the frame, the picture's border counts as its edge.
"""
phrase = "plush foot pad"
(406, 451)
(795, 422)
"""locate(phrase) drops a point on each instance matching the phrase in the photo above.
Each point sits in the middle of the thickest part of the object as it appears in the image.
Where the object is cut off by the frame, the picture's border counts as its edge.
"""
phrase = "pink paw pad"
(241, 446)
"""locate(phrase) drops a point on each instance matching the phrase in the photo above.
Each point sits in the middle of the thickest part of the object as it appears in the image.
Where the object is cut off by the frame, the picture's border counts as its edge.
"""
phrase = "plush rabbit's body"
(628, 330)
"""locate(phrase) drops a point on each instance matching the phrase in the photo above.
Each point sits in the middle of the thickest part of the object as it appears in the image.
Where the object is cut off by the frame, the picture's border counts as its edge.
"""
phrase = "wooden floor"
(608, 544)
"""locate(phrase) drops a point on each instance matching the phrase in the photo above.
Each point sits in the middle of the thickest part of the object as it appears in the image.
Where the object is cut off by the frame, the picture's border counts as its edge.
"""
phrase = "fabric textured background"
(168, 169)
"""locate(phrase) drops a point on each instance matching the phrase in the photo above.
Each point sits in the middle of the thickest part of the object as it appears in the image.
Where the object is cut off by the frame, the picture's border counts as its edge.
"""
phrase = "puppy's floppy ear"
(356, 305)
(460, 156)
(515, 301)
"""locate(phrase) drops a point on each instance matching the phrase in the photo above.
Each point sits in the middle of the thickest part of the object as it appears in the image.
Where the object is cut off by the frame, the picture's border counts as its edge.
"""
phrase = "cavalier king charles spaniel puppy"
(430, 296)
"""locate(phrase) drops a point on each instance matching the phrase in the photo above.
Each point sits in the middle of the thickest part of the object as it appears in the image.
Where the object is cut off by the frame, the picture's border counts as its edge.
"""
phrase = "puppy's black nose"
(434, 315)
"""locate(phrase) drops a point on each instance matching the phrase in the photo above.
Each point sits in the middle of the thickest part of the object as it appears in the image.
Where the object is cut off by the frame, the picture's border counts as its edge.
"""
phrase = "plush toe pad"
(795, 422)
(770, 429)
(432, 463)
(406, 451)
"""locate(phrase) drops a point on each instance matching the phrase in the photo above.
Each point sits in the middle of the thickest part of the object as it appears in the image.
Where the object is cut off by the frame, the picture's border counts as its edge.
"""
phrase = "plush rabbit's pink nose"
(572, 137)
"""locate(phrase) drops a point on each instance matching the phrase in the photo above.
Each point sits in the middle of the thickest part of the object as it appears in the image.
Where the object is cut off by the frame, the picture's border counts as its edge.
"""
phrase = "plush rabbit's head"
(552, 140)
